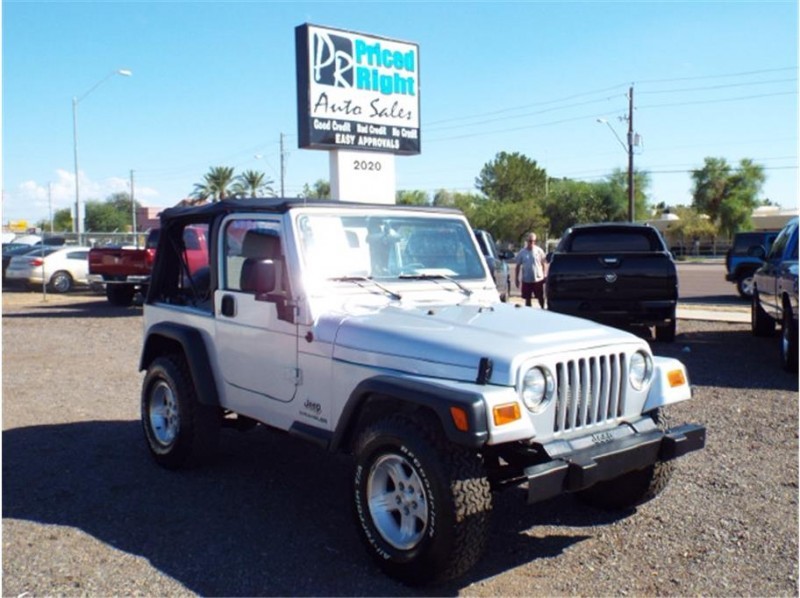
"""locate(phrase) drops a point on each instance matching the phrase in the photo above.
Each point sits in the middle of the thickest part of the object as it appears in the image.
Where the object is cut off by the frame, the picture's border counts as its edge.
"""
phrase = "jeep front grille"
(590, 391)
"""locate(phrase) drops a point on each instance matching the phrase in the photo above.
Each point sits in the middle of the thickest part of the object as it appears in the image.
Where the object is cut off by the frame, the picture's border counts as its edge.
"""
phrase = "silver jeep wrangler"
(378, 331)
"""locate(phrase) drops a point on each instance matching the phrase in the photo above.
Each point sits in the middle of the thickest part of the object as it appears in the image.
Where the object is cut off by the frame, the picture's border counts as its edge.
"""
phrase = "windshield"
(387, 247)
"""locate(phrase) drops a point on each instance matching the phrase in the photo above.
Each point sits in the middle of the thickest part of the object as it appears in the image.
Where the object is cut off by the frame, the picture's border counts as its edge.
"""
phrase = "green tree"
(619, 199)
(106, 217)
(320, 190)
(252, 183)
(727, 195)
(62, 222)
(512, 177)
(411, 198)
(216, 184)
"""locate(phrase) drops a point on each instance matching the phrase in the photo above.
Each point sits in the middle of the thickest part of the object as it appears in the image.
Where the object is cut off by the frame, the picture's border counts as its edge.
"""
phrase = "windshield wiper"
(437, 278)
(360, 279)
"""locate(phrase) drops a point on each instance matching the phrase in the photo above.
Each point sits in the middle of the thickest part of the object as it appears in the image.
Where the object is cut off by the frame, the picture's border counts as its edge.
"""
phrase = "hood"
(449, 341)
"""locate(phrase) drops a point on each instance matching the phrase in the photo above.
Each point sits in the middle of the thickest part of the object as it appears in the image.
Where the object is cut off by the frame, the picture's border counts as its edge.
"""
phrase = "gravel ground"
(86, 512)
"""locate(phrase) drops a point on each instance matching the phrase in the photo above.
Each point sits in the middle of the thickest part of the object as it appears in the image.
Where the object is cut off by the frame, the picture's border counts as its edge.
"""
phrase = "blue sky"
(213, 84)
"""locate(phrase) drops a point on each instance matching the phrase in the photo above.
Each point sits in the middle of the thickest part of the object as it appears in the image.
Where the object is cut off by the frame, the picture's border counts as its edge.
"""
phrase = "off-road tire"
(760, 323)
(179, 430)
(788, 341)
(632, 488)
(422, 505)
(119, 295)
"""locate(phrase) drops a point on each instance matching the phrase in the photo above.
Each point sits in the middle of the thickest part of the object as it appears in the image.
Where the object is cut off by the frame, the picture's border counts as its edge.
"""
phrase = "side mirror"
(506, 255)
(258, 276)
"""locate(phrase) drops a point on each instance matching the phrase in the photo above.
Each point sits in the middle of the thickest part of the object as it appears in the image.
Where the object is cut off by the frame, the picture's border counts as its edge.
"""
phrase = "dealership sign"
(356, 91)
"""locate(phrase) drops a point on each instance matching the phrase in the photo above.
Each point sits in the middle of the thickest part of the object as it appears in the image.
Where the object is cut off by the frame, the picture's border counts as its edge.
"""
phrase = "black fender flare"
(162, 338)
(416, 393)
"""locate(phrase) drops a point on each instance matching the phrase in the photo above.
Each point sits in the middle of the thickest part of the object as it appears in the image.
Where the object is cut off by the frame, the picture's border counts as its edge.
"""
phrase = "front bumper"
(583, 468)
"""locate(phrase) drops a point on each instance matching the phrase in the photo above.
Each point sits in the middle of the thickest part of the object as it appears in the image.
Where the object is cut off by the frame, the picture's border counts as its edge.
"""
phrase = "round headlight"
(641, 370)
(537, 389)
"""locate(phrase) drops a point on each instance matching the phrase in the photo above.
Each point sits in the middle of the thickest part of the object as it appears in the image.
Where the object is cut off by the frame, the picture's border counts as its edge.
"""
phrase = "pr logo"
(332, 59)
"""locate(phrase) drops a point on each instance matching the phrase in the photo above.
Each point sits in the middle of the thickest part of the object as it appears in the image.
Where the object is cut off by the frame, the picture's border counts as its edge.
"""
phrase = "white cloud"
(31, 201)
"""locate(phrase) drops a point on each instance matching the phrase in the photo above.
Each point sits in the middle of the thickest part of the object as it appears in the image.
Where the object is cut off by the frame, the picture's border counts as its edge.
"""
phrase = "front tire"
(760, 323)
(423, 505)
(788, 341)
(178, 428)
(665, 333)
(632, 488)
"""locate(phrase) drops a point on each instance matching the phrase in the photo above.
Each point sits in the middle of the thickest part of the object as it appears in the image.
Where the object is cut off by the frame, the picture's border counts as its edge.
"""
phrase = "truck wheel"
(665, 333)
(119, 295)
(760, 323)
(61, 282)
(788, 341)
(744, 285)
(423, 505)
(632, 488)
(178, 428)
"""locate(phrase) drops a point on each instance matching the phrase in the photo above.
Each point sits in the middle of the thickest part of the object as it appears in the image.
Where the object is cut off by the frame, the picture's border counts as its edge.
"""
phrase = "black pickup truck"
(617, 273)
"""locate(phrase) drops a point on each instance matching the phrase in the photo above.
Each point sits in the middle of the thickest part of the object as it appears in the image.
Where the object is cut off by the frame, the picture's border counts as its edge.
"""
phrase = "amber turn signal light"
(460, 419)
(676, 378)
(505, 414)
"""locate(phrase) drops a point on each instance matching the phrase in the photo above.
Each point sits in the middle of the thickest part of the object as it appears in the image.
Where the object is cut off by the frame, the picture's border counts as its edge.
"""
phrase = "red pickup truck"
(126, 270)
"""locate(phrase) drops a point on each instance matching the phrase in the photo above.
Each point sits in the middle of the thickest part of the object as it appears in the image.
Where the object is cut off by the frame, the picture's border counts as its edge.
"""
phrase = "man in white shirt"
(532, 261)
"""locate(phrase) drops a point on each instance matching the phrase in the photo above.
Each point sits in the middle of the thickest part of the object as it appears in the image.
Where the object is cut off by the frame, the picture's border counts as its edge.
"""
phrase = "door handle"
(228, 306)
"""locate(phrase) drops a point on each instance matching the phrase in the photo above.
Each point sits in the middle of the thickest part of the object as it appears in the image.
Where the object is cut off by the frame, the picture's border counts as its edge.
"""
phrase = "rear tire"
(61, 282)
(178, 428)
(665, 333)
(760, 323)
(744, 285)
(119, 295)
(423, 505)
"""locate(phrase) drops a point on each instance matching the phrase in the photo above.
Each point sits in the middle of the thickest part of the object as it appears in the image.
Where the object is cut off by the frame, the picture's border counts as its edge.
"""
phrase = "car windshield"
(387, 247)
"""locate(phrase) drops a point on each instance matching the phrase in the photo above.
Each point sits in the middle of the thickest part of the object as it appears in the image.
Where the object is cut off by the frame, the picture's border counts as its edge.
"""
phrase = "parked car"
(775, 294)
(745, 256)
(496, 262)
(12, 249)
(61, 267)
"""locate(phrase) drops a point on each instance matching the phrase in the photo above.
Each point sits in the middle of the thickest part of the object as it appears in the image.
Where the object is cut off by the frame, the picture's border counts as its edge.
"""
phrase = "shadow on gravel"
(730, 356)
(269, 516)
(90, 309)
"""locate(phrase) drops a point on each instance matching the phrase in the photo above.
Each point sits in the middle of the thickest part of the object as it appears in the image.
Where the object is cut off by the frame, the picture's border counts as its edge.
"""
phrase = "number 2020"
(366, 165)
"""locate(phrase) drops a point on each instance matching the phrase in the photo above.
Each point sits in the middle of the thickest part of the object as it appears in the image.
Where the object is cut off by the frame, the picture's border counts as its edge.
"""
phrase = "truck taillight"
(150, 256)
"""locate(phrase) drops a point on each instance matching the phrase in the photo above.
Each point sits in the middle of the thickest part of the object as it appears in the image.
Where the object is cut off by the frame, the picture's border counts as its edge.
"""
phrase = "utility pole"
(50, 204)
(631, 213)
(133, 214)
(283, 169)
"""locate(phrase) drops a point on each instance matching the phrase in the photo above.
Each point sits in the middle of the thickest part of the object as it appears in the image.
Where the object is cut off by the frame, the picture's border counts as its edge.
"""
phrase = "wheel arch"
(168, 338)
(376, 397)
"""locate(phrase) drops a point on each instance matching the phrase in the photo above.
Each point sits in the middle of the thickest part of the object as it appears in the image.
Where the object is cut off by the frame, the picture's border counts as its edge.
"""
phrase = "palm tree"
(216, 184)
(251, 182)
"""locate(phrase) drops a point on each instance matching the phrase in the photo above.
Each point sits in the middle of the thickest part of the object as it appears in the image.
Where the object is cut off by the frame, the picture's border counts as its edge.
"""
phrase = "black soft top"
(211, 210)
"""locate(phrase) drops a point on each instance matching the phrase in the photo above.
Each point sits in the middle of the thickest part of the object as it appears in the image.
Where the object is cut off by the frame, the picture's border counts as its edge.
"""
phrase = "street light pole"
(78, 224)
(628, 147)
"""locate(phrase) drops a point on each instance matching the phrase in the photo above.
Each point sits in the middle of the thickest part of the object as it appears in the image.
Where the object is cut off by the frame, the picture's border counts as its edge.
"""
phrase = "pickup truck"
(617, 273)
(775, 295)
(126, 270)
(377, 332)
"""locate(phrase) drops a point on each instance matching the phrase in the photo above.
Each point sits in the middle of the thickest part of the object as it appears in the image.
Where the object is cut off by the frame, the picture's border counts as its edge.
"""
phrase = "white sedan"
(61, 267)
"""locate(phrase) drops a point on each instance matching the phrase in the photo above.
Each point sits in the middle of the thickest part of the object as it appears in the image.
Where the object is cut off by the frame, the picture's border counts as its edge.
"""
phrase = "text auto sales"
(356, 121)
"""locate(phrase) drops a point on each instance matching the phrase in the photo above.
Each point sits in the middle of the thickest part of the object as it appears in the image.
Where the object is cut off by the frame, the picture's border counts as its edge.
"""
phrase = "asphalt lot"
(86, 512)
